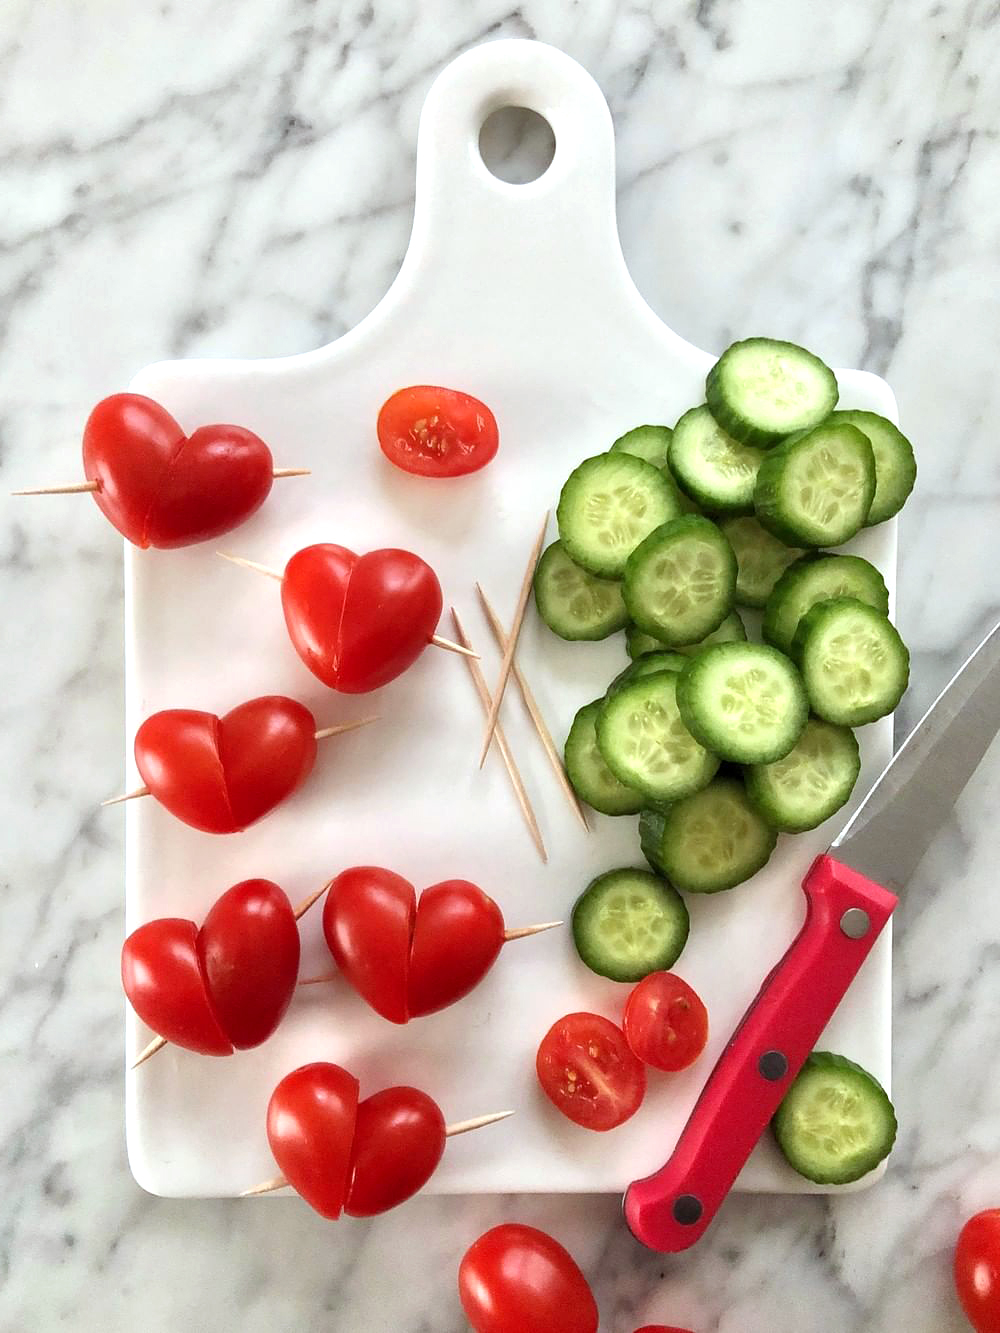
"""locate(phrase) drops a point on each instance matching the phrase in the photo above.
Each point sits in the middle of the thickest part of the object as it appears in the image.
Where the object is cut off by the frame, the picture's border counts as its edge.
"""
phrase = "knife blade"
(847, 906)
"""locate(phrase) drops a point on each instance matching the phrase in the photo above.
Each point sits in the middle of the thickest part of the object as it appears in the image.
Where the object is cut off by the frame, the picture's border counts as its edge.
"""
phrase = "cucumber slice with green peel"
(761, 390)
(710, 841)
(628, 923)
(854, 664)
(816, 489)
(760, 559)
(715, 470)
(811, 783)
(646, 745)
(743, 701)
(639, 643)
(816, 578)
(650, 443)
(647, 665)
(895, 465)
(574, 604)
(835, 1123)
(590, 776)
(680, 581)
(606, 508)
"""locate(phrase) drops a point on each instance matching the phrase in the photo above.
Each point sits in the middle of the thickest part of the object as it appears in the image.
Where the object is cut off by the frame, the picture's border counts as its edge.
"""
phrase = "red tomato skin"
(977, 1270)
(666, 1023)
(368, 921)
(661, 1328)
(575, 1041)
(458, 934)
(249, 950)
(433, 432)
(399, 1140)
(358, 622)
(166, 986)
(177, 755)
(161, 488)
(516, 1279)
(310, 1128)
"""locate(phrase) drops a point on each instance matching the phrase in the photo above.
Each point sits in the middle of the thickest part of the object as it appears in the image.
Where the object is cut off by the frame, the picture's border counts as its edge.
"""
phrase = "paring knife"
(848, 902)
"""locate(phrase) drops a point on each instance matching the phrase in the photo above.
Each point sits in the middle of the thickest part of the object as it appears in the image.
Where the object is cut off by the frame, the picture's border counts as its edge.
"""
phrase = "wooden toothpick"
(462, 1127)
(81, 487)
(323, 734)
(512, 638)
(535, 713)
(512, 770)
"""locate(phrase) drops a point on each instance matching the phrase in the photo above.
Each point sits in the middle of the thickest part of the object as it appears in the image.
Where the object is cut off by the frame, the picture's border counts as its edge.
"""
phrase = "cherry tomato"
(456, 939)
(359, 621)
(666, 1023)
(249, 950)
(164, 980)
(310, 1128)
(435, 432)
(162, 488)
(977, 1270)
(368, 920)
(515, 1279)
(661, 1328)
(399, 1139)
(588, 1072)
(222, 774)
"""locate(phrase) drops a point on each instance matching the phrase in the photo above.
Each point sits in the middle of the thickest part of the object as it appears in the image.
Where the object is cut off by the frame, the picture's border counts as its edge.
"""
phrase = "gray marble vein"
(202, 178)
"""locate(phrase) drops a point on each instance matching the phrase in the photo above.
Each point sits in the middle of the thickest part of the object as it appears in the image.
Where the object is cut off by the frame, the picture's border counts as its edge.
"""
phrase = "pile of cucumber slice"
(666, 535)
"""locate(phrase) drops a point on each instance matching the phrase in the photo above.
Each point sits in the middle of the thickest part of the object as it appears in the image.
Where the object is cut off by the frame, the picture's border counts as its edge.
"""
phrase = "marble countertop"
(827, 173)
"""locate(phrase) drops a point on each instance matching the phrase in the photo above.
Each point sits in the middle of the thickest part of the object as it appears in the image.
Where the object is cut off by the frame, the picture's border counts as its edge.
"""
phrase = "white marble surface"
(202, 178)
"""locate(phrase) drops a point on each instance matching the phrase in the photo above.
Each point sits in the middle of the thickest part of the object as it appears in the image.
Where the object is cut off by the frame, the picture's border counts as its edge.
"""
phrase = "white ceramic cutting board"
(518, 294)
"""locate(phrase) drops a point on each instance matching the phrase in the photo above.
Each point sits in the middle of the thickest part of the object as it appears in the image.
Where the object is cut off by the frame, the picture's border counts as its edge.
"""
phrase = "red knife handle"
(845, 914)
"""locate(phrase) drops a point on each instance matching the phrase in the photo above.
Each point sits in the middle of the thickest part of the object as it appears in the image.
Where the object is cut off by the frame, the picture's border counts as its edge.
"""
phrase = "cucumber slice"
(645, 743)
(628, 923)
(744, 701)
(639, 643)
(650, 443)
(647, 665)
(592, 780)
(816, 489)
(680, 581)
(895, 466)
(760, 559)
(835, 1123)
(574, 604)
(816, 578)
(855, 666)
(606, 508)
(717, 471)
(707, 842)
(811, 783)
(760, 390)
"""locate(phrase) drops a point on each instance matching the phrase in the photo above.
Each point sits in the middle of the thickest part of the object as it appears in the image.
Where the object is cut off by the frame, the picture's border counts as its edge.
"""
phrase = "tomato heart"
(164, 980)
(249, 950)
(160, 487)
(399, 1139)
(310, 1127)
(222, 774)
(410, 958)
(358, 621)
(457, 937)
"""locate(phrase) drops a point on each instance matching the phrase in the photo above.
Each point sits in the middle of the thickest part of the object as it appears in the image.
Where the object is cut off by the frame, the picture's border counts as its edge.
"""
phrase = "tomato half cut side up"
(588, 1072)
(666, 1023)
(435, 432)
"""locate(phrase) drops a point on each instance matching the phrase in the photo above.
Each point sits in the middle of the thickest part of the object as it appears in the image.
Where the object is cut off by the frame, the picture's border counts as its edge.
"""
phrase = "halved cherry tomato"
(434, 432)
(977, 1270)
(666, 1023)
(515, 1279)
(399, 1138)
(164, 979)
(310, 1129)
(588, 1072)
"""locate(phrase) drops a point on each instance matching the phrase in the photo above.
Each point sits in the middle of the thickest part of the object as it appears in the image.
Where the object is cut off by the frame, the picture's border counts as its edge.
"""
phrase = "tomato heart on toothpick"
(358, 621)
(224, 987)
(222, 774)
(408, 957)
(343, 1155)
(160, 487)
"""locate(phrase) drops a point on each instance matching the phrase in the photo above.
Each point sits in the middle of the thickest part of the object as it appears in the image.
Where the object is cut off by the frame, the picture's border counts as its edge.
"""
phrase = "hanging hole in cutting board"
(517, 145)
